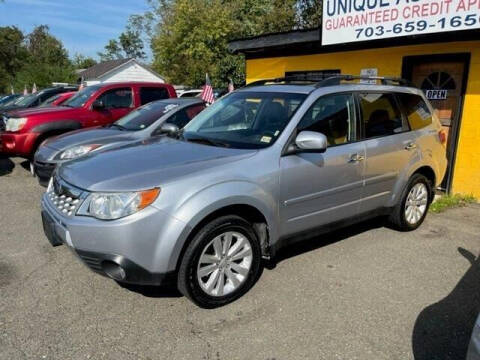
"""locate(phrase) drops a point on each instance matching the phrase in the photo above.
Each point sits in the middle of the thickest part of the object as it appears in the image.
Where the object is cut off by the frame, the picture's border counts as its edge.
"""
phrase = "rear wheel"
(221, 263)
(410, 212)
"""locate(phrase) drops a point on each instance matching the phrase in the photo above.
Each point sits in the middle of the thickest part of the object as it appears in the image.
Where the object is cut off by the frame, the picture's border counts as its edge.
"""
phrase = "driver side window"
(333, 116)
(117, 98)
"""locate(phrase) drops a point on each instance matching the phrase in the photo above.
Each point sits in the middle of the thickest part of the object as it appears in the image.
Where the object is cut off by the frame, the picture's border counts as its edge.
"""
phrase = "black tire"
(398, 218)
(187, 281)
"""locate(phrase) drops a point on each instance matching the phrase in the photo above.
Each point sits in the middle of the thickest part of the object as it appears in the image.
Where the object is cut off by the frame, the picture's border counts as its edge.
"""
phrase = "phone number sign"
(347, 21)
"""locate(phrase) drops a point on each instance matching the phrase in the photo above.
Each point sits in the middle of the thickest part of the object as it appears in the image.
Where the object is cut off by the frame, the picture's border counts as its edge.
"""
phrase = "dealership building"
(434, 44)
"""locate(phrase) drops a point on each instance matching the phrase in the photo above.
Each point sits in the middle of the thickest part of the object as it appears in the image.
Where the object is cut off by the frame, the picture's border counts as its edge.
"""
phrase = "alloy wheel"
(224, 264)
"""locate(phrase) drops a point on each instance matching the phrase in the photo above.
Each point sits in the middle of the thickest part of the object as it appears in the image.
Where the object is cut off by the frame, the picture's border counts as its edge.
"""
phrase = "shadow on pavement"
(443, 330)
(167, 291)
(308, 244)
(6, 166)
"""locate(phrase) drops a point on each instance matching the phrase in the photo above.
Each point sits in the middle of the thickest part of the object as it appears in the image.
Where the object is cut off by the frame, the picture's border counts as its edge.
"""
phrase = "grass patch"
(451, 201)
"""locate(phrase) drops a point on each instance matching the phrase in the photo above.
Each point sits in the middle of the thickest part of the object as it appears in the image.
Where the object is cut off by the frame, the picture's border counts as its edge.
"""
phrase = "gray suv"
(263, 166)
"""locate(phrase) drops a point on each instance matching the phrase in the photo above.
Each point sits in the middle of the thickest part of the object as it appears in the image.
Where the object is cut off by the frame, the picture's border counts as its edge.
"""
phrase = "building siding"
(389, 61)
(131, 72)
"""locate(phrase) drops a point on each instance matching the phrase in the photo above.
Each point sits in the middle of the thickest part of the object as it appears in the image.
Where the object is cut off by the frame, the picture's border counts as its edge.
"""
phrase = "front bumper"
(17, 144)
(137, 249)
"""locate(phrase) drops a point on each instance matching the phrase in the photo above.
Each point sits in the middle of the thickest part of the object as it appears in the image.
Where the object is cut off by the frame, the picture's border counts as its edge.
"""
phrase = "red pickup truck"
(21, 132)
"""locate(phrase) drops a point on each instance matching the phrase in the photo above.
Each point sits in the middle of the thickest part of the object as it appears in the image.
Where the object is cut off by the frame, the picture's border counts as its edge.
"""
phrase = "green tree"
(80, 61)
(128, 45)
(189, 38)
(13, 54)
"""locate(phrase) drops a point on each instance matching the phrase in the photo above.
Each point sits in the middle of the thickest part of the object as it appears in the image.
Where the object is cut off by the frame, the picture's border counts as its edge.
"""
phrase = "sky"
(84, 26)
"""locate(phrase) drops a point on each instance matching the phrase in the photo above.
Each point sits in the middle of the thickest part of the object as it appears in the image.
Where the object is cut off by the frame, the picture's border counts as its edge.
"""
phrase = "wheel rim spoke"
(233, 278)
(239, 269)
(237, 246)
(204, 271)
(246, 251)
(209, 259)
(218, 247)
(212, 280)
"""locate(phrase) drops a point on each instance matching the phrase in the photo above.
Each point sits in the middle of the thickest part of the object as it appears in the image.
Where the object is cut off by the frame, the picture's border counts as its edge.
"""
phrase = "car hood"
(49, 110)
(100, 135)
(145, 164)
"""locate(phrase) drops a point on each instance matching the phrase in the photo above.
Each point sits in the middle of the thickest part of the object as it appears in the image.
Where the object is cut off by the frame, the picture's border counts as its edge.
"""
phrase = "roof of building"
(101, 69)
(309, 41)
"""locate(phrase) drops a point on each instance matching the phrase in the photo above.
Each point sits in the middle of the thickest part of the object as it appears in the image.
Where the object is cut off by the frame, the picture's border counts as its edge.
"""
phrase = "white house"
(119, 70)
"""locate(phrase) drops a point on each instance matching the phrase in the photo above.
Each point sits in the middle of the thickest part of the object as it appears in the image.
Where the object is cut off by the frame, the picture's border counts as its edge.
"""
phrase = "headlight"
(15, 124)
(112, 206)
(78, 151)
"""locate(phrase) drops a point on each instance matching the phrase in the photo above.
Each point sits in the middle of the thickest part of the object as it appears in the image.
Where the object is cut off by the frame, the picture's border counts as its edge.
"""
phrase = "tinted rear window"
(149, 94)
(416, 110)
(381, 115)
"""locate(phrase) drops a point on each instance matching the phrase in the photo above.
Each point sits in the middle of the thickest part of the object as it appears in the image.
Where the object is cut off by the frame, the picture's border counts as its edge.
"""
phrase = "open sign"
(436, 94)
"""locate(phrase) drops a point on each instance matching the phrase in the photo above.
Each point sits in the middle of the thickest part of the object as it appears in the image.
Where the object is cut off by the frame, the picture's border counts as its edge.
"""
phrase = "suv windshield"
(244, 120)
(144, 116)
(26, 100)
(80, 98)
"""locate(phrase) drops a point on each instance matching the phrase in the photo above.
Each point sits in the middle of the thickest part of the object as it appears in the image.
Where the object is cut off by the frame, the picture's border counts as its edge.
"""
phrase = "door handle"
(411, 146)
(356, 158)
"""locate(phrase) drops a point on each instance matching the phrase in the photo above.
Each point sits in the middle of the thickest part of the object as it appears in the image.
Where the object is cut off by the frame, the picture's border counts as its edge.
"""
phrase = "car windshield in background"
(244, 120)
(26, 100)
(144, 116)
(80, 98)
(50, 100)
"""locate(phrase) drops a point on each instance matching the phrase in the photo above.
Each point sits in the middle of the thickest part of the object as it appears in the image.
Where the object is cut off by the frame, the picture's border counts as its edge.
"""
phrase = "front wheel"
(221, 263)
(412, 209)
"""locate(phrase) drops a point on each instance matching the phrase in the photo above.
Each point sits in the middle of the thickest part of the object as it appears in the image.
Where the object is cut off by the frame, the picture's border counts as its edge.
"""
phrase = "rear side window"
(333, 116)
(417, 111)
(149, 94)
(117, 98)
(381, 115)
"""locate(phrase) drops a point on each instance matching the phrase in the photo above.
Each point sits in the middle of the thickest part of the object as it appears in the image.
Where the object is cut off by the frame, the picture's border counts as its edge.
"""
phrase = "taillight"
(442, 136)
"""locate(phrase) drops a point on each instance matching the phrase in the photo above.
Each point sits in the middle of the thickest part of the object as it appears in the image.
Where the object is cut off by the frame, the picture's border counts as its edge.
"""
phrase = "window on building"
(149, 94)
(117, 98)
(333, 116)
(316, 75)
(417, 111)
(381, 115)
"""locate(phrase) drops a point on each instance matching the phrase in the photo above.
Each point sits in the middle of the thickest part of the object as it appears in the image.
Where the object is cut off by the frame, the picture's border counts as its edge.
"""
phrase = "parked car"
(23, 131)
(140, 124)
(263, 166)
(33, 100)
(58, 99)
(474, 346)
(8, 99)
(189, 93)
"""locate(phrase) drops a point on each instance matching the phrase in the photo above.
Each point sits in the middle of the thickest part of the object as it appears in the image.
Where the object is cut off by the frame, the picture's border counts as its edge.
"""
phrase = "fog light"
(113, 270)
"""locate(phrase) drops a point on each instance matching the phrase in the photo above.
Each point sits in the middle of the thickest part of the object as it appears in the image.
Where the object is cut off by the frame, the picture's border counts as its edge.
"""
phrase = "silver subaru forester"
(270, 163)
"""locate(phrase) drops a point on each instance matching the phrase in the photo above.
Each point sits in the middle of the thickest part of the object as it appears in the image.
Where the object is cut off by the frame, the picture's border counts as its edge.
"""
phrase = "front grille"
(64, 197)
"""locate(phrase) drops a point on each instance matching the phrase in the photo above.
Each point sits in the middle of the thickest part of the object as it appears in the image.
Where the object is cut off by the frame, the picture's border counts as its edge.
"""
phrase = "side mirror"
(168, 129)
(98, 105)
(310, 141)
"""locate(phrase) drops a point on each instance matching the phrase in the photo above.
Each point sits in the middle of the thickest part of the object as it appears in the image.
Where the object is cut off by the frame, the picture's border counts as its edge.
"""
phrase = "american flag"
(207, 92)
(230, 85)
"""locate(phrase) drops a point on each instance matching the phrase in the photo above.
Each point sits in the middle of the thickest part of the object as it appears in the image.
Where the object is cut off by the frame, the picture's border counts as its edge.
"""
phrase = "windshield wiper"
(118, 126)
(207, 141)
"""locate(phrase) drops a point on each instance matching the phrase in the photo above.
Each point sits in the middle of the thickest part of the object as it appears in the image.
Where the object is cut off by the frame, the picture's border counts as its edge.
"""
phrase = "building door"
(443, 80)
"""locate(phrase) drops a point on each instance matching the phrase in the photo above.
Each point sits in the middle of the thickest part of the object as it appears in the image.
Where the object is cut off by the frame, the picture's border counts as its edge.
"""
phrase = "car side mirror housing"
(168, 129)
(309, 141)
(98, 105)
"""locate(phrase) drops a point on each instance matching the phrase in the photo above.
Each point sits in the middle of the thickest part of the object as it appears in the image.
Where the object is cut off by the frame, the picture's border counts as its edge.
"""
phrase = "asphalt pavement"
(366, 292)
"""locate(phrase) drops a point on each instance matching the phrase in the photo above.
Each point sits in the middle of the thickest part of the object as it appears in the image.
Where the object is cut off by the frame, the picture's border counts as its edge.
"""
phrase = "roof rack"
(384, 80)
(330, 80)
(284, 80)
